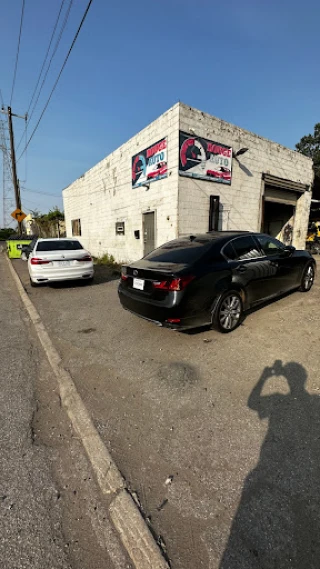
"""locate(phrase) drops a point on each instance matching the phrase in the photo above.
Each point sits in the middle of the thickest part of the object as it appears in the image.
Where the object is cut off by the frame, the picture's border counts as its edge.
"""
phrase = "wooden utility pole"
(13, 161)
(14, 167)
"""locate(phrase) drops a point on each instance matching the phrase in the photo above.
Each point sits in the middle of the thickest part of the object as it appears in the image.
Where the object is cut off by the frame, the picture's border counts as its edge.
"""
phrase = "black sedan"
(212, 279)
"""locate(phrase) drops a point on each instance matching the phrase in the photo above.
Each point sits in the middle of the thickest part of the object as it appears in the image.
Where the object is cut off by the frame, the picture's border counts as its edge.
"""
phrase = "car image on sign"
(160, 171)
(223, 173)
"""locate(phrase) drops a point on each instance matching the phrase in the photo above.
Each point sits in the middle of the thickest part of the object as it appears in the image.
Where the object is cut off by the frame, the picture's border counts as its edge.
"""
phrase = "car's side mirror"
(289, 249)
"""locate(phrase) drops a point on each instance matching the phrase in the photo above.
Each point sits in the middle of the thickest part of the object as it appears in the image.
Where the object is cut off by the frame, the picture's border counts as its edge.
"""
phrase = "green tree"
(47, 224)
(6, 232)
(54, 214)
(309, 145)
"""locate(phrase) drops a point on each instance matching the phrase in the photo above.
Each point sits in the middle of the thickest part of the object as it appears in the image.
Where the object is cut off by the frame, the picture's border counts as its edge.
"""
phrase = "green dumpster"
(14, 245)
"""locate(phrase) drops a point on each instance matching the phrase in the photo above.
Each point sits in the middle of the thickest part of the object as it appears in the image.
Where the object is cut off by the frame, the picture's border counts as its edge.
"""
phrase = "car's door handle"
(241, 269)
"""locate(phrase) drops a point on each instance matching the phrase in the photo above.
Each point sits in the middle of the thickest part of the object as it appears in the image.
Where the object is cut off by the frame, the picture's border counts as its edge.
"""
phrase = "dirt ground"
(218, 435)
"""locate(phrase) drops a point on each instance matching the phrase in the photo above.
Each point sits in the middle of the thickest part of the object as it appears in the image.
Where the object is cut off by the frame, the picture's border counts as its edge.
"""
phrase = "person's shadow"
(277, 525)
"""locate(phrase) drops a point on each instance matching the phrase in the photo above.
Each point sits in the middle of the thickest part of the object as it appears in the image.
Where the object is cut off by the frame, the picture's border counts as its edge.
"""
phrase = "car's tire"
(307, 279)
(33, 284)
(228, 313)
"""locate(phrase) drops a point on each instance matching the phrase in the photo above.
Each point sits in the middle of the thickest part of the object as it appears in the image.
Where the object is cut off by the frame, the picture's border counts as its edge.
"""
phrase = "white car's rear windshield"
(72, 245)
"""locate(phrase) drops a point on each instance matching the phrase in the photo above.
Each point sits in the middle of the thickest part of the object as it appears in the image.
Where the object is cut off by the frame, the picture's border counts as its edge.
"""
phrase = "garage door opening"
(278, 221)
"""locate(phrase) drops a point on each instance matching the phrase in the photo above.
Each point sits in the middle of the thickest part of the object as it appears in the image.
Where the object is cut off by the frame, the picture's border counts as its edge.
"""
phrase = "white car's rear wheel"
(33, 284)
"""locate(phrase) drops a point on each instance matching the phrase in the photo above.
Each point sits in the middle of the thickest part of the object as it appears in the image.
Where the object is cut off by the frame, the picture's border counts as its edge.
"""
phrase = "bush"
(6, 233)
(108, 261)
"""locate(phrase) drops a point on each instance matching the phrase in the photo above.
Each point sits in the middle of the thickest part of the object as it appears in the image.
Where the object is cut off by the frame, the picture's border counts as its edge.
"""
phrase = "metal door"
(214, 213)
(148, 232)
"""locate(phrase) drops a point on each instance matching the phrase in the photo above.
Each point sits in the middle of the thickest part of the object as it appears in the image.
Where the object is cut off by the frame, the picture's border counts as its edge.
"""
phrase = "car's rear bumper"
(58, 275)
(162, 316)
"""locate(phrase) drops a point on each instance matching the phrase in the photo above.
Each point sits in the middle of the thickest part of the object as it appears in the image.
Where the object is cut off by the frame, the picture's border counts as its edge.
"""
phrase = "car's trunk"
(60, 259)
(144, 276)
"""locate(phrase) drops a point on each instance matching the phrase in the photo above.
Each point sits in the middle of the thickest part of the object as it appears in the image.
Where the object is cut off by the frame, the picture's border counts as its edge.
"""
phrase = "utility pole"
(7, 190)
(13, 161)
(14, 167)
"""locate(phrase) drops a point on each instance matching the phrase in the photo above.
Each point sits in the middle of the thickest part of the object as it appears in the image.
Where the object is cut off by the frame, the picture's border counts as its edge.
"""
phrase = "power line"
(18, 51)
(7, 188)
(31, 202)
(41, 193)
(64, 23)
(60, 73)
(3, 136)
(47, 53)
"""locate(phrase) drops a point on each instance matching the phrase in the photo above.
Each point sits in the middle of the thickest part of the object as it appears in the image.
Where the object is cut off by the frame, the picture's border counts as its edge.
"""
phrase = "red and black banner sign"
(150, 164)
(204, 159)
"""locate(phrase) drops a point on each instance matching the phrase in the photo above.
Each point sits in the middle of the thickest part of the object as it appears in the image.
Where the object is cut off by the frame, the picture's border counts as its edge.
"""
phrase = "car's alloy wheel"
(229, 312)
(307, 278)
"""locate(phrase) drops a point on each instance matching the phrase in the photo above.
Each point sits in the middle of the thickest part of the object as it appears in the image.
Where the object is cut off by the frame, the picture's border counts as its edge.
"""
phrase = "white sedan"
(54, 260)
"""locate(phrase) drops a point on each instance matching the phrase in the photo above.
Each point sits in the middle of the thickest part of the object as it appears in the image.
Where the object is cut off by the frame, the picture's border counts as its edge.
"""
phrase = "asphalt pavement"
(30, 527)
(52, 514)
(217, 435)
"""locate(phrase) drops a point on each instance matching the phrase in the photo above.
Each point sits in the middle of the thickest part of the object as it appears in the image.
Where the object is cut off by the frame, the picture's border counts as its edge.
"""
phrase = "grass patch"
(107, 261)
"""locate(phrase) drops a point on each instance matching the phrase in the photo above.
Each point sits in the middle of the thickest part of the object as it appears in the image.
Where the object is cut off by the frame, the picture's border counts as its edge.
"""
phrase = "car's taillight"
(173, 285)
(162, 285)
(124, 276)
(86, 258)
(37, 261)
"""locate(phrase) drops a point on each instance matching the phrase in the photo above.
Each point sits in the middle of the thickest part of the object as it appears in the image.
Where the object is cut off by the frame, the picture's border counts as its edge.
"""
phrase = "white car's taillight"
(38, 261)
(86, 258)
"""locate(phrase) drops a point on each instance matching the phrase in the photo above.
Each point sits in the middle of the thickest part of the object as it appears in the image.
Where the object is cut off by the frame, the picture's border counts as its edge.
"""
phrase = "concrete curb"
(126, 517)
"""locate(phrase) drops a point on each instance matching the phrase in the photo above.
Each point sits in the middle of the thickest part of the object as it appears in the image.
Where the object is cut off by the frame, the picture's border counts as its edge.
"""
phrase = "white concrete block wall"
(241, 201)
(103, 196)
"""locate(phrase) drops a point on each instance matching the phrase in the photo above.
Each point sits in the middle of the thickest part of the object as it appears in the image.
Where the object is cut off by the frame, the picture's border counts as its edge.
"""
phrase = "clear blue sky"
(253, 63)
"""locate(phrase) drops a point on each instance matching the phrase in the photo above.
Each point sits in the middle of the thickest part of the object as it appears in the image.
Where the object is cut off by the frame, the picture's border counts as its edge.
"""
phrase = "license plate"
(138, 283)
(63, 263)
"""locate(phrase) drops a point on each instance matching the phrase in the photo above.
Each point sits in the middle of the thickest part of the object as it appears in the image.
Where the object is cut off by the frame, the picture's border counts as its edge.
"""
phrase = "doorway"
(214, 213)
(278, 221)
(148, 227)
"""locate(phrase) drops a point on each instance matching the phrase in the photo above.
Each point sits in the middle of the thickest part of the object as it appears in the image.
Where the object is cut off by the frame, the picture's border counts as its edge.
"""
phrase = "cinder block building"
(188, 172)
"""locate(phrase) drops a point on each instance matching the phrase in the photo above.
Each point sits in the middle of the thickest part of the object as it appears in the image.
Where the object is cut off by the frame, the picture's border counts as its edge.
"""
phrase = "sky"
(253, 63)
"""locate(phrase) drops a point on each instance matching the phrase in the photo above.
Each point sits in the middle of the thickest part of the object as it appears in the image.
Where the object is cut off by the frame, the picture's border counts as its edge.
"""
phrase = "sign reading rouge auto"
(150, 165)
(205, 159)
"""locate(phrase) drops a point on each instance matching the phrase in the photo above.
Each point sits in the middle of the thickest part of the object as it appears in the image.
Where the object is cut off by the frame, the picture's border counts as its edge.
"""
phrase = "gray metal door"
(148, 232)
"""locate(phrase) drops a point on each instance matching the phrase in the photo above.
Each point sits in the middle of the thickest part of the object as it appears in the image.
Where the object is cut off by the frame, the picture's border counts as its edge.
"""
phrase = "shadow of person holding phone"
(277, 525)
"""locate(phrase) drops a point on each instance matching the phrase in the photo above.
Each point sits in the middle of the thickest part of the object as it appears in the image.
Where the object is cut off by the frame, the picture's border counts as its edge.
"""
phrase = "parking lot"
(221, 452)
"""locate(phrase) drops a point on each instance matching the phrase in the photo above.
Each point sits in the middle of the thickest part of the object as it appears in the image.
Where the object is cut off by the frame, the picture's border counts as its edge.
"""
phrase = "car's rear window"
(180, 251)
(72, 245)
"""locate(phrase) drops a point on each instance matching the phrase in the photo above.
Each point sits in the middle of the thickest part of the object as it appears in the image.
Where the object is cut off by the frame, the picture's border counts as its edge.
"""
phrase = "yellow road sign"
(18, 215)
